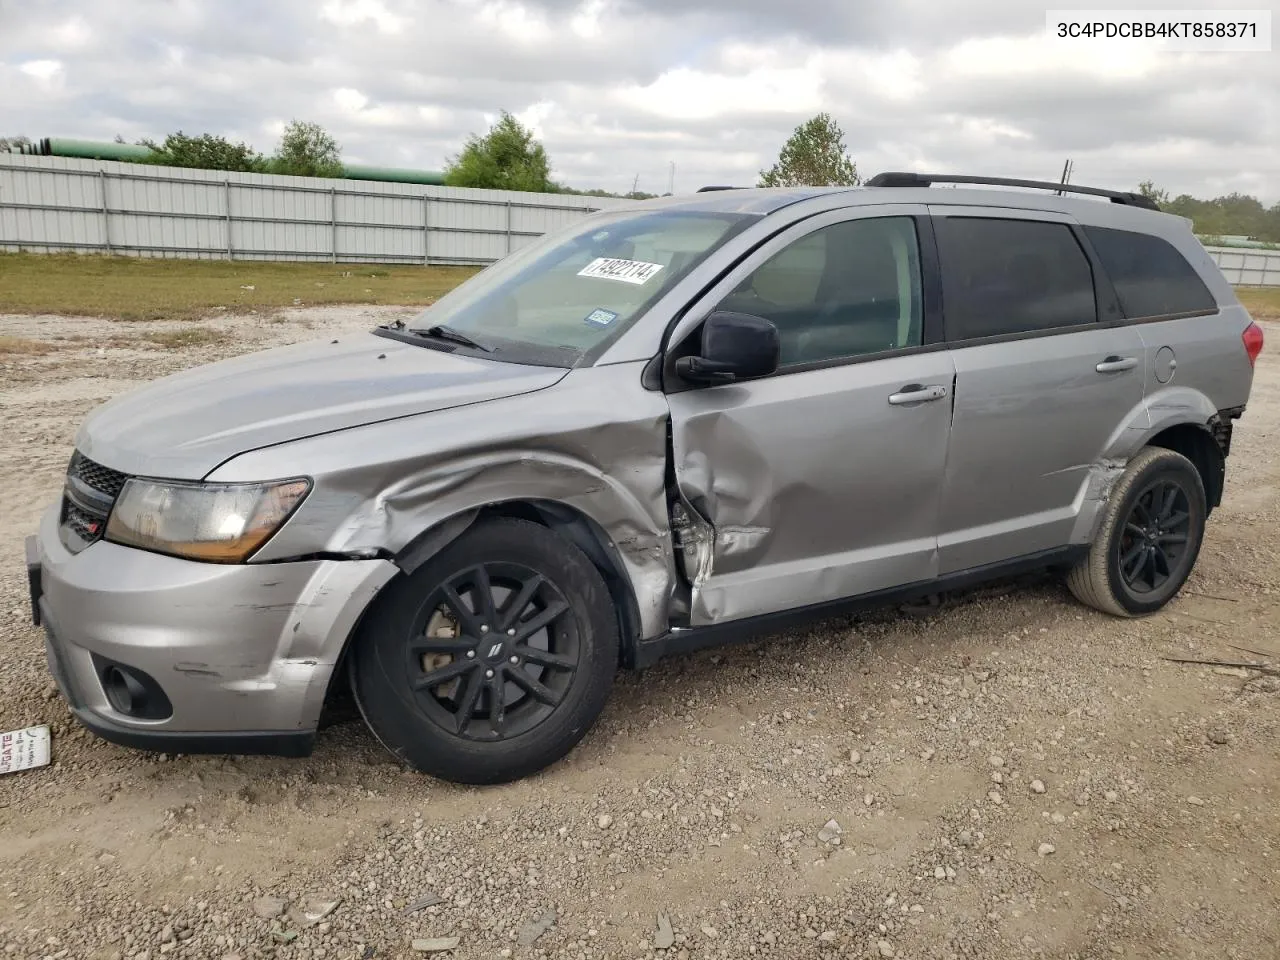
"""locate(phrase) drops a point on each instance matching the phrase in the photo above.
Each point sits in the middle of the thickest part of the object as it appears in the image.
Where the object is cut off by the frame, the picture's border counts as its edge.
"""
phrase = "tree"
(307, 150)
(506, 158)
(814, 156)
(1149, 190)
(205, 152)
(13, 144)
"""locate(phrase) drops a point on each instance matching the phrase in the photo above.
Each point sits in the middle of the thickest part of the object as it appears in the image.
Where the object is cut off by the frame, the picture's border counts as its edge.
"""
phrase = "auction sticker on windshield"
(628, 271)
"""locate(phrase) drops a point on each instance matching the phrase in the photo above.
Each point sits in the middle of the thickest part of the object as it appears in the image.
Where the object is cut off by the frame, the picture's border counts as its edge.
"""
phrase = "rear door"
(821, 481)
(1043, 381)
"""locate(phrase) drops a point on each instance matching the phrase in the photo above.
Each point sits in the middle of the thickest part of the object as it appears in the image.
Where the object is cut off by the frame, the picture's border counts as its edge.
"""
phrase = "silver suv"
(666, 426)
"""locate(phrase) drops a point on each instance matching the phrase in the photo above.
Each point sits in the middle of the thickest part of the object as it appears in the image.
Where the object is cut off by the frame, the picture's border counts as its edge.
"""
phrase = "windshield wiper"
(442, 332)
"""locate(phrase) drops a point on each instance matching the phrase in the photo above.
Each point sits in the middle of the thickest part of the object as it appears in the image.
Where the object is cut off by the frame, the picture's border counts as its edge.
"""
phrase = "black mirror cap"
(735, 346)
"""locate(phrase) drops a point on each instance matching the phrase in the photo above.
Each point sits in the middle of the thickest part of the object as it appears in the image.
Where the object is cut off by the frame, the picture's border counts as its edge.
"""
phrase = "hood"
(182, 426)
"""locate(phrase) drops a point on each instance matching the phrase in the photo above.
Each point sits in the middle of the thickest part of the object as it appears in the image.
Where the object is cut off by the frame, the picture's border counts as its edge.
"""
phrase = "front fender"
(595, 442)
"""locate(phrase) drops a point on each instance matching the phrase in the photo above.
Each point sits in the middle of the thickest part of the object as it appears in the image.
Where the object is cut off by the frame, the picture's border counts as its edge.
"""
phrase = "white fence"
(56, 204)
(1248, 268)
(64, 204)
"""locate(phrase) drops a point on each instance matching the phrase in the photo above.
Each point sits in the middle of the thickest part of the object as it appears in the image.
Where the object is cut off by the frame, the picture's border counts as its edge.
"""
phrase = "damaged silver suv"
(666, 426)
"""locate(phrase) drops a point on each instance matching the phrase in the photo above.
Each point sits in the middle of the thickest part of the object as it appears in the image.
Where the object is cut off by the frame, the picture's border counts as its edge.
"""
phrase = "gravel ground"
(1010, 776)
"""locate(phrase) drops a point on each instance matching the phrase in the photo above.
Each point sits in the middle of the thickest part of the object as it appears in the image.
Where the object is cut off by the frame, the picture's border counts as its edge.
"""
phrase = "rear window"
(1002, 277)
(1152, 279)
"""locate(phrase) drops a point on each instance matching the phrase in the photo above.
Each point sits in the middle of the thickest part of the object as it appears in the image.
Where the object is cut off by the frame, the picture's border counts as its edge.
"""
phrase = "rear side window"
(1152, 279)
(1003, 277)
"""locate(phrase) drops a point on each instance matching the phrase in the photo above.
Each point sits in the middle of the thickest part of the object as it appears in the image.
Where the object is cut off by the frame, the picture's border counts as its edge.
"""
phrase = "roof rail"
(707, 189)
(927, 179)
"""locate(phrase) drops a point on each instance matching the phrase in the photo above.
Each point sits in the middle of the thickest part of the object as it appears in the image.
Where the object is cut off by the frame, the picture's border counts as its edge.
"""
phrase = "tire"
(1163, 562)
(551, 679)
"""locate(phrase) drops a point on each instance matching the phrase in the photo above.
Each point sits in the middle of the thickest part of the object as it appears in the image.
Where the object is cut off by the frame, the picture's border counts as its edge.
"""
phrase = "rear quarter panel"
(1213, 371)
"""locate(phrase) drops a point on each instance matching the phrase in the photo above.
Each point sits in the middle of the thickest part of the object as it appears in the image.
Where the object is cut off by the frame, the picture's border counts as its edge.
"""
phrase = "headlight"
(217, 522)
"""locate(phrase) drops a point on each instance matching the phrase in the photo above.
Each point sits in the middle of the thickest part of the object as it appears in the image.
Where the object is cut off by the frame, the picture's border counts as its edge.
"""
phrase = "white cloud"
(1038, 55)
(71, 35)
(350, 100)
(535, 115)
(44, 70)
(689, 94)
(514, 21)
(351, 13)
(586, 21)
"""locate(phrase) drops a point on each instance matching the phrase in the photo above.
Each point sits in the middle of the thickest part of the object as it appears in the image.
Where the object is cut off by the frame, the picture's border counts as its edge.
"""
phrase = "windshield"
(567, 295)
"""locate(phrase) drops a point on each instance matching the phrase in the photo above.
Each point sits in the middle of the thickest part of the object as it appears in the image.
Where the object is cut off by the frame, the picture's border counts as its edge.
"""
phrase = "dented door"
(813, 485)
(822, 481)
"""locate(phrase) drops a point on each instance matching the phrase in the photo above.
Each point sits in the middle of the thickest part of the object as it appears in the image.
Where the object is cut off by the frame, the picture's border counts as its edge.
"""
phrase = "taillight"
(1252, 338)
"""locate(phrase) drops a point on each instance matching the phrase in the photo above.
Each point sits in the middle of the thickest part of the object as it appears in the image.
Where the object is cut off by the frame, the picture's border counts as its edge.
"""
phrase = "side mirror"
(735, 346)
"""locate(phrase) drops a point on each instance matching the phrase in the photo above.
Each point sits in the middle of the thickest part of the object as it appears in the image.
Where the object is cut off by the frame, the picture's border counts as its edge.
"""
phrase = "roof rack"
(927, 179)
(707, 189)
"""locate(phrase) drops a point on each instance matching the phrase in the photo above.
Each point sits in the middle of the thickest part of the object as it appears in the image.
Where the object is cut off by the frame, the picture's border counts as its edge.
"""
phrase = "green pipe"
(1212, 241)
(89, 149)
(104, 150)
(394, 175)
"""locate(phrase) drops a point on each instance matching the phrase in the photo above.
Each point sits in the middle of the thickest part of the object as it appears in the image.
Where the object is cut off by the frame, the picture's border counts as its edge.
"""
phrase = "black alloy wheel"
(1155, 538)
(508, 658)
(491, 660)
(1148, 538)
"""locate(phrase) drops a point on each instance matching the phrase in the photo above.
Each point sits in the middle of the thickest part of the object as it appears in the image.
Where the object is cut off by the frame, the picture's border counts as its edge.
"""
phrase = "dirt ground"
(1012, 776)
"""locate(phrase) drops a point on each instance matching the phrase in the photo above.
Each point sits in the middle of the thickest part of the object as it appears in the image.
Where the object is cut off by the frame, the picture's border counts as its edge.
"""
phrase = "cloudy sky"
(620, 88)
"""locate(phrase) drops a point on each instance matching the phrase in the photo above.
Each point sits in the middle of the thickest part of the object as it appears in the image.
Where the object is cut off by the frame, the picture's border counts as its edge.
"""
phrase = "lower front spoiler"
(288, 743)
(266, 743)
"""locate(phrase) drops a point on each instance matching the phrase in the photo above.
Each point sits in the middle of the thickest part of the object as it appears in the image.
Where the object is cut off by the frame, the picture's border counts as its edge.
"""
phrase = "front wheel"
(493, 659)
(1149, 539)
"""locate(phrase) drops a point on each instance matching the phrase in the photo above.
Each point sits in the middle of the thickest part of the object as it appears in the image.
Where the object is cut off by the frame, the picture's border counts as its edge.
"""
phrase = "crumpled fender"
(595, 443)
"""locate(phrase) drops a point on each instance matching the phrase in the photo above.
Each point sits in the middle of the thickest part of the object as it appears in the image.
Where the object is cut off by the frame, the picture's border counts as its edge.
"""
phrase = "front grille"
(103, 479)
(84, 514)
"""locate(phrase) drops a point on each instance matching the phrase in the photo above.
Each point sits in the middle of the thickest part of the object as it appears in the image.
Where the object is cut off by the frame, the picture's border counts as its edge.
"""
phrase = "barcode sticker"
(628, 271)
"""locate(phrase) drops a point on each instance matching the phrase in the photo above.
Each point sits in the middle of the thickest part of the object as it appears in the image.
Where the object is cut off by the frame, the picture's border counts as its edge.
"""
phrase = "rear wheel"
(493, 659)
(1149, 539)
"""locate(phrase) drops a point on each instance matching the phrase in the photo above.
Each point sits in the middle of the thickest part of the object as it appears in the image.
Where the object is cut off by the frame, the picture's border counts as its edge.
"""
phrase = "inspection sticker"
(23, 749)
(600, 317)
(628, 271)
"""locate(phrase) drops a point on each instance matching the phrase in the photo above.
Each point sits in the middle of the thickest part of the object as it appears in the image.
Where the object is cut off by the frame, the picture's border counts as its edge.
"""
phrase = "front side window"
(1152, 279)
(845, 290)
(1003, 277)
(570, 293)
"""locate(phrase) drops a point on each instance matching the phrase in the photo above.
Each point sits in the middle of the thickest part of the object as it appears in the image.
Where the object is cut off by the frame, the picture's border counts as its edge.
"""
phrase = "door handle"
(917, 393)
(1116, 364)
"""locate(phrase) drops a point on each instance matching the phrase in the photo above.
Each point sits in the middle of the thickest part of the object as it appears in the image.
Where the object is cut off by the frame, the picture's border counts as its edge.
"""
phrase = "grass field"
(135, 288)
(1263, 303)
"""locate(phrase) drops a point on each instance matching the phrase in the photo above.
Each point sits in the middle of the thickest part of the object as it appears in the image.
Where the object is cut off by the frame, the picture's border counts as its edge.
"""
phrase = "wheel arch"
(1198, 444)
(1181, 419)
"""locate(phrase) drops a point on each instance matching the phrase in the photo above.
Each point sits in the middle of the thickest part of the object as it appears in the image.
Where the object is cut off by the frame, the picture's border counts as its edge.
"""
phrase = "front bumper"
(239, 655)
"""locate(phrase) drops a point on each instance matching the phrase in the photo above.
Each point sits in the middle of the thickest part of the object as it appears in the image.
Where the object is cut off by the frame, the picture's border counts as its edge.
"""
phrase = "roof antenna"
(1066, 174)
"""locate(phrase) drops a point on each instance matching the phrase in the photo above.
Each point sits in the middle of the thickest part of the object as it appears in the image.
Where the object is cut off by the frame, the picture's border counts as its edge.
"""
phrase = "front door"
(823, 480)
